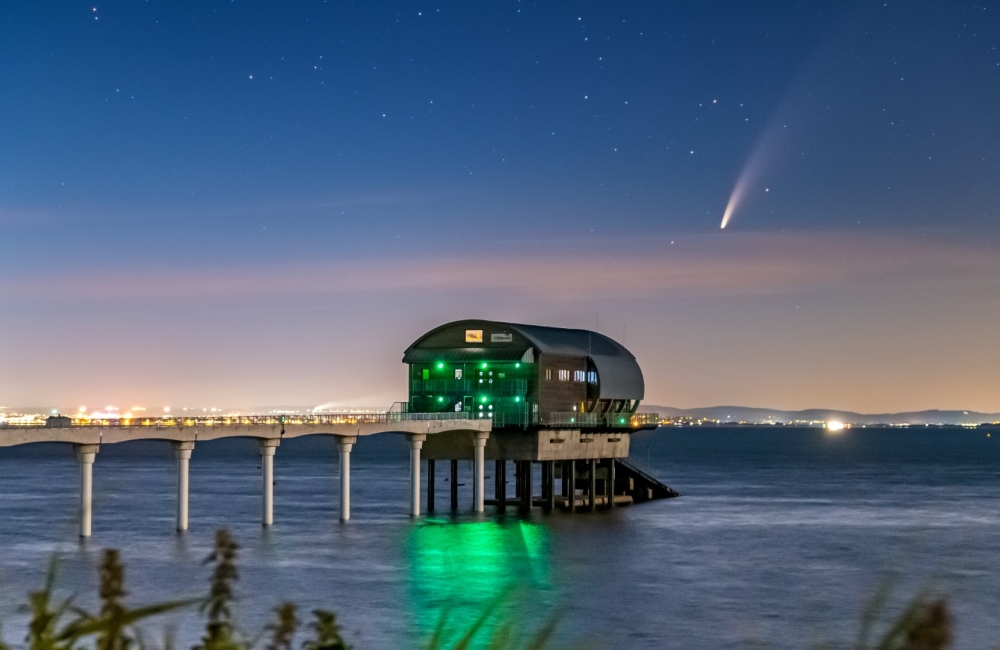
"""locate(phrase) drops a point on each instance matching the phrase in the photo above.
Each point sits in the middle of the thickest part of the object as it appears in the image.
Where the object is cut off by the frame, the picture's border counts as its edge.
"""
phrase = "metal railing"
(610, 420)
(232, 420)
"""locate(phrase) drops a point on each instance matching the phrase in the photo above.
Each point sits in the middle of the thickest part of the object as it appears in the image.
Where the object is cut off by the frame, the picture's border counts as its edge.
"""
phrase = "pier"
(562, 400)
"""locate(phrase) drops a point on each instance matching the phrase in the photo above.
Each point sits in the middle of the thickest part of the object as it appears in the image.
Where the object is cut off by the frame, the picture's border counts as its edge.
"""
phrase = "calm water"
(780, 536)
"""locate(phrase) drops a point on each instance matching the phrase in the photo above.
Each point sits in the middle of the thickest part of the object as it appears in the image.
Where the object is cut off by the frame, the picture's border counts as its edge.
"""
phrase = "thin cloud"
(701, 265)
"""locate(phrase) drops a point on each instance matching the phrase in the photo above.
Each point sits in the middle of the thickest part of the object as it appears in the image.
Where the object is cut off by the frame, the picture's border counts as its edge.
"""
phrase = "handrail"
(612, 420)
(231, 420)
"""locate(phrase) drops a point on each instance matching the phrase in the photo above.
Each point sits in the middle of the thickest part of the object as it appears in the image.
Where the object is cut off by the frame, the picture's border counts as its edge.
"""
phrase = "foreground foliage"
(925, 624)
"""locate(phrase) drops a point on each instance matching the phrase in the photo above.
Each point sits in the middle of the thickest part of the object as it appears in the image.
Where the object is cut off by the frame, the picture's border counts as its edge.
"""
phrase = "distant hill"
(751, 414)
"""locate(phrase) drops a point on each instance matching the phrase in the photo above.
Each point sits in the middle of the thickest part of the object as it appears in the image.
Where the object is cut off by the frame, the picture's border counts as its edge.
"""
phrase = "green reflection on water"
(459, 568)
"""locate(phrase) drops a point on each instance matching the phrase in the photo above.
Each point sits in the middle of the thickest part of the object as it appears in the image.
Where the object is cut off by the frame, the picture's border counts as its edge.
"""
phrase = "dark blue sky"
(320, 182)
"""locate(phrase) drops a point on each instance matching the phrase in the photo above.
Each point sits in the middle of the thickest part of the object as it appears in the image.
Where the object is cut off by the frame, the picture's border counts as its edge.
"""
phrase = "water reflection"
(457, 569)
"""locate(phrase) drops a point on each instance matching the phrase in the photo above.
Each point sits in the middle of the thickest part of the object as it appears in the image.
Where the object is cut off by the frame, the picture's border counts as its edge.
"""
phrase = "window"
(473, 336)
(426, 373)
(548, 374)
(564, 375)
(458, 373)
(592, 377)
(579, 375)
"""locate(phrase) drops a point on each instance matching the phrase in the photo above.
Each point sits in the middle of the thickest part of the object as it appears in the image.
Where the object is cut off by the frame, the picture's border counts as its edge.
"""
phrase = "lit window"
(458, 373)
(548, 374)
(564, 375)
(426, 373)
(579, 375)
(592, 377)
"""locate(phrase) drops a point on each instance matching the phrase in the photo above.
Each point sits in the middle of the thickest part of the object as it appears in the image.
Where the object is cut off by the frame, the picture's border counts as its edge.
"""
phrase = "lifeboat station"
(564, 400)
(523, 397)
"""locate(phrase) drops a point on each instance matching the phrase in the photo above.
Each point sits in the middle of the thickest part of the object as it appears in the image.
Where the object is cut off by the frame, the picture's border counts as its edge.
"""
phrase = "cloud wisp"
(751, 263)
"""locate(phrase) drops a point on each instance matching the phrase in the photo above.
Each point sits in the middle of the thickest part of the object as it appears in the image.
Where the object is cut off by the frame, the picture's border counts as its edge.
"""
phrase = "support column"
(454, 484)
(182, 451)
(430, 485)
(502, 493)
(518, 481)
(528, 488)
(416, 444)
(544, 467)
(267, 449)
(344, 445)
(480, 456)
(565, 478)
(572, 486)
(86, 455)
(611, 483)
(593, 485)
(550, 485)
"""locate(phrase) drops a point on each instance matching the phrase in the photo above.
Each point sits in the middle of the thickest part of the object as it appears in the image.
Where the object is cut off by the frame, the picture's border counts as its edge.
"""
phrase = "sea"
(782, 538)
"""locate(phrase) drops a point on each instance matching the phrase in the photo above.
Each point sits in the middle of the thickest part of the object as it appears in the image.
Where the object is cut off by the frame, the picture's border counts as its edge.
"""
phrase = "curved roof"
(619, 376)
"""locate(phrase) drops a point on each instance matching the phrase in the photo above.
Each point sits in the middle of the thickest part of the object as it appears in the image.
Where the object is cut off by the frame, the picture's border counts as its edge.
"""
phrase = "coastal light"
(834, 425)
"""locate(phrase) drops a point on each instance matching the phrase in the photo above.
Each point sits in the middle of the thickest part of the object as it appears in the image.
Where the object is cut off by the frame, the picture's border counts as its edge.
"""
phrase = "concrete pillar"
(593, 485)
(544, 468)
(550, 485)
(430, 485)
(572, 486)
(86, 455)
(182, 451)
(528, 487)
(502, 482)
(565, 478)
(611, 483)
(416, 444)
(344, 445)
(480, 456)
(454, 484)
(267, 449)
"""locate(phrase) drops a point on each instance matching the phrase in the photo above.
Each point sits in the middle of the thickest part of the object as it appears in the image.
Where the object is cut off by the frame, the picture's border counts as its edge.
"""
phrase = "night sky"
(241, 204)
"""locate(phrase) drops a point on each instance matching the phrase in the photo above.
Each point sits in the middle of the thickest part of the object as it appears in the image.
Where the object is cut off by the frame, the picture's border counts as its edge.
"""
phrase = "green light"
(621, 421)
(482, 399)
(440, 399)
(440, 366)
(517, 365)
(517, 399)
(484, 365)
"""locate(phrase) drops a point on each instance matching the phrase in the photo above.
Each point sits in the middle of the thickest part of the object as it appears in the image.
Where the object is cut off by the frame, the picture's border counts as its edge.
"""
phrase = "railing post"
(182, 452)
(267, 449)
(86, 455)
(345, 444)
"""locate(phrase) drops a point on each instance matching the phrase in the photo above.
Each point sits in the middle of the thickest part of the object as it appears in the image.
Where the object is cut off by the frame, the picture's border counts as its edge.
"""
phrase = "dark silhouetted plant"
(327, 632)
(283, 630)
(219, 631)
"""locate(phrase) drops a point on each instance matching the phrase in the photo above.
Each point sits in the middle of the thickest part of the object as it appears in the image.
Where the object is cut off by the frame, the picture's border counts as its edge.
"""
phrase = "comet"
(739, 191)
(764, 151)
(748, 178)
